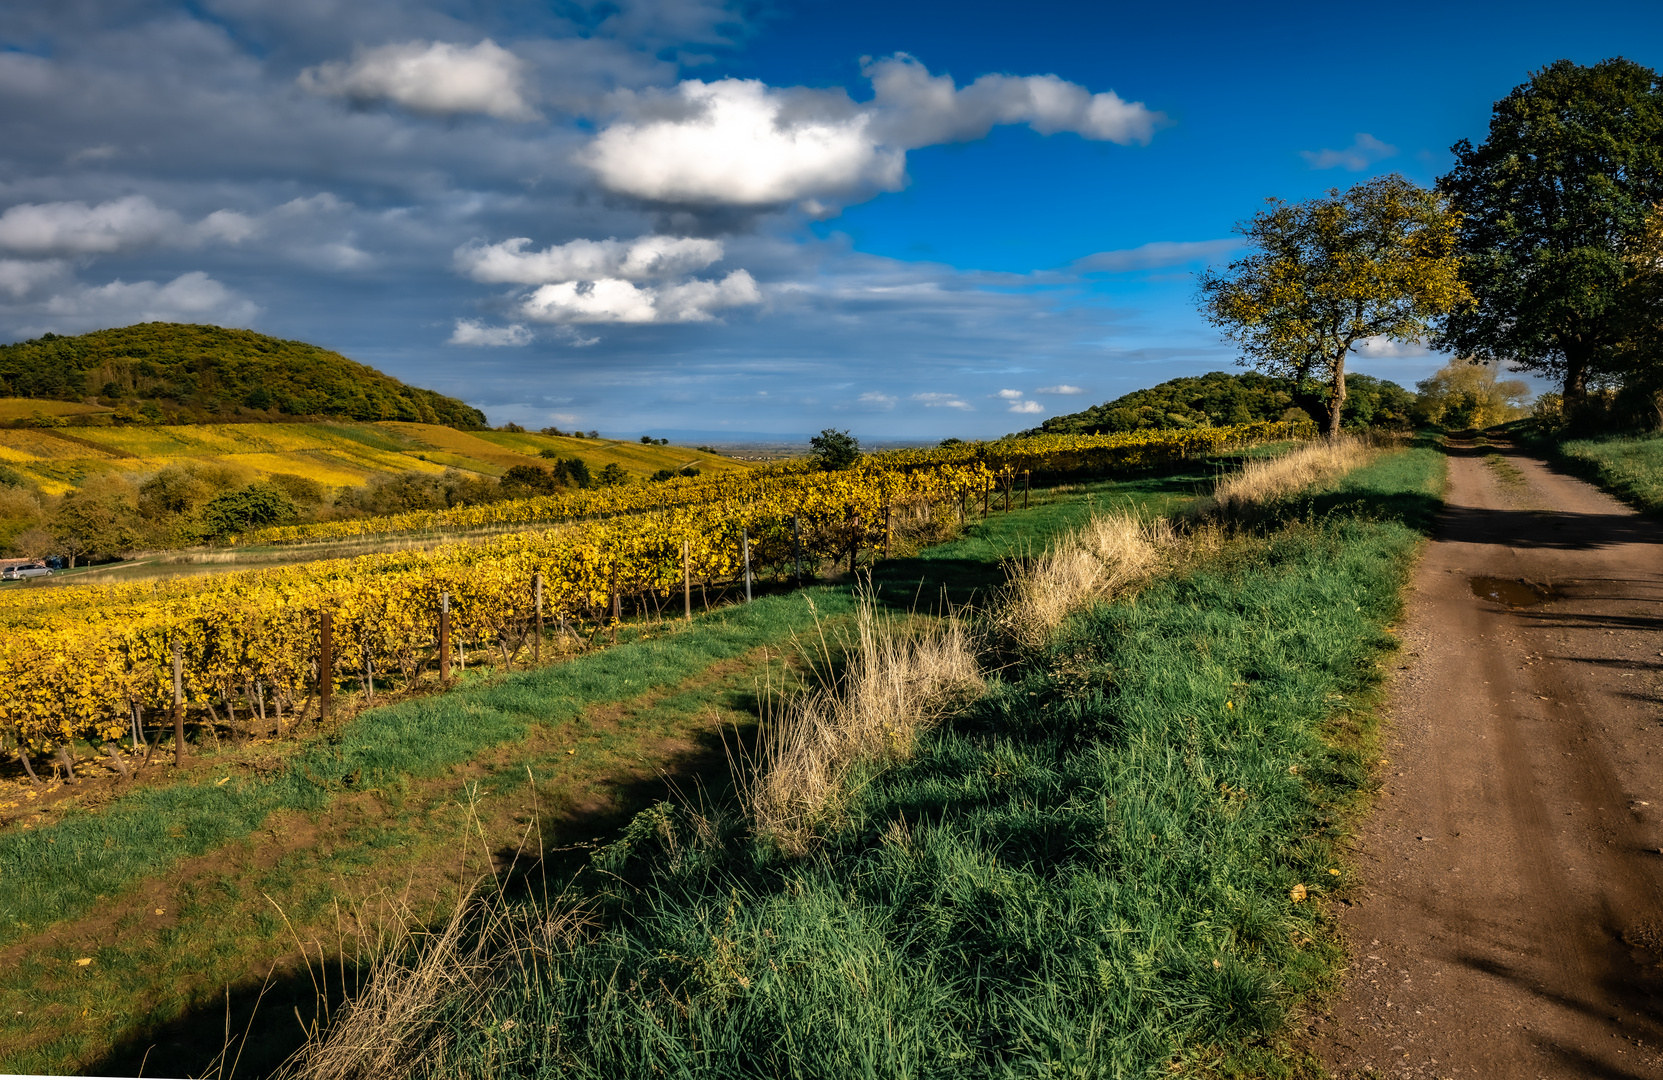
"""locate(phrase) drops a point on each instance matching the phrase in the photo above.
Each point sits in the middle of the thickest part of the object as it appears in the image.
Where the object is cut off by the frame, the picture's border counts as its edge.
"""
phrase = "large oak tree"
(1377, 261)
(1553, 202)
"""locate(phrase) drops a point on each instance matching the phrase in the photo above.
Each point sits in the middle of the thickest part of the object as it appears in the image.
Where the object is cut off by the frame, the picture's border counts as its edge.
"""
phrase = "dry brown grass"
(1264, 482)
(900, 678)
(1102, 559)
(400, 1023)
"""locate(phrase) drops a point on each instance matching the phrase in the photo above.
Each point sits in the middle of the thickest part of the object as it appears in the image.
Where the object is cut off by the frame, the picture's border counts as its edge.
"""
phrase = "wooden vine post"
(1027, 478)
(326, 664)
(854, 537)
(687, 580)
(537, 598)
(178, 706)
(745, 543)
(797, 545)
(444, 638)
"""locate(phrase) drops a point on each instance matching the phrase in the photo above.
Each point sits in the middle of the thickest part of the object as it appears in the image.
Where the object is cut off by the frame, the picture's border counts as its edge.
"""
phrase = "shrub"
(259, 503)
(834, 450)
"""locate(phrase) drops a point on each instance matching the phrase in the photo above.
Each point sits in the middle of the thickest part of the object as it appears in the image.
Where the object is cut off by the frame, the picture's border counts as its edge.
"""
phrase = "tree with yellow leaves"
(1377, 261)
(1468, 394)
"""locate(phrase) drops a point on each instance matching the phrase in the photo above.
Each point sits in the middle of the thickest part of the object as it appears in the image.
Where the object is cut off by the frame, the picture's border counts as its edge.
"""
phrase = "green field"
(1046, 885)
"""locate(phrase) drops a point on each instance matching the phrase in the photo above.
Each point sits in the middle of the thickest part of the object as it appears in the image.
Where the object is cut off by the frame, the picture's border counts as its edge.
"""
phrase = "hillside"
(1222, 398)
(332, 454)
(181, 373)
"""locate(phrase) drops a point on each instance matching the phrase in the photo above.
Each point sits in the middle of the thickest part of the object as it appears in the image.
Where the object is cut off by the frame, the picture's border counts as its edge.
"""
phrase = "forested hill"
(1221, 397)
(182, 373)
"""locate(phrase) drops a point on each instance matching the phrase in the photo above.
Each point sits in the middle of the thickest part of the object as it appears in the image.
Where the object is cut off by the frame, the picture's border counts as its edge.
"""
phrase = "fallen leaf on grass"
(1297, 894)
(221, 780)
(84, 961)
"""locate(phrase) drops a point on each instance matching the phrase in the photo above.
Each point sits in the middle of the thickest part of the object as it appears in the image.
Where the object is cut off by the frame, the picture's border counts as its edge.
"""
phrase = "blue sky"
(910, 220)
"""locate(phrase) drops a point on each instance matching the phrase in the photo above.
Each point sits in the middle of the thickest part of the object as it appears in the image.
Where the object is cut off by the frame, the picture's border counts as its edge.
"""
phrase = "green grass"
(149, 975)
(1088, 874)
(1631, 466)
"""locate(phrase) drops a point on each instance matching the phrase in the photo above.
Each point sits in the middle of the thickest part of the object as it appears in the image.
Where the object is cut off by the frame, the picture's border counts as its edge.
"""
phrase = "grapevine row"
(1051, 455)
(91, 662)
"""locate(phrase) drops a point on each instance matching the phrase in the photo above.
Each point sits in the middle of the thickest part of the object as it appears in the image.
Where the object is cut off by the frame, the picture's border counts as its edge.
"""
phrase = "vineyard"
(1046, 456)
(93, 663)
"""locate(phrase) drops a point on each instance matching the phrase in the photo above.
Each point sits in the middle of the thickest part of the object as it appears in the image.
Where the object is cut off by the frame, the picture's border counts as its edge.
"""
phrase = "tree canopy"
(1552, 203)
(1375, 261)
(188, 372)
(834, 449)
(1222, 397)
(1466, 395)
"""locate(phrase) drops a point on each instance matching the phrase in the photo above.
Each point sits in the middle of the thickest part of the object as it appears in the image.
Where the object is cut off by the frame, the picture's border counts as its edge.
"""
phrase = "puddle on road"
(1514, 592)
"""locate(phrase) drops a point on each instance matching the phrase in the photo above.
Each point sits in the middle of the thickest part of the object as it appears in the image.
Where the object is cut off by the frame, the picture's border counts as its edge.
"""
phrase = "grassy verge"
(1628, 466)
(1109, 866)
(165, 889)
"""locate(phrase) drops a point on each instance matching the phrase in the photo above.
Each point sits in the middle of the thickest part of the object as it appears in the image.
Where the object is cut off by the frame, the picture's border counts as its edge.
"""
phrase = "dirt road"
(1511, 923)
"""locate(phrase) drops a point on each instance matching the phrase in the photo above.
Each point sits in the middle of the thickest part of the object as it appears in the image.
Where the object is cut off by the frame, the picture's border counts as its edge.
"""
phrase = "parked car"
(22, 573)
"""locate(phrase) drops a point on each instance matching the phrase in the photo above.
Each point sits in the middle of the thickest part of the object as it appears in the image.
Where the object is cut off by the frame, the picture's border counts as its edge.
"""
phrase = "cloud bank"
(742, 143)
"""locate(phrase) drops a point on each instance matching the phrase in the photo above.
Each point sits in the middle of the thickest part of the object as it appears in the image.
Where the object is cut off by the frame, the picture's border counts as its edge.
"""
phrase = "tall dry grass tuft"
(1263, 482)
(899, 680)
(1101, 559)
(401, 1023)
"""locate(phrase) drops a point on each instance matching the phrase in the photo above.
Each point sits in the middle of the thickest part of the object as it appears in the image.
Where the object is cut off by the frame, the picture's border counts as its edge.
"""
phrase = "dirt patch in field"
(1511, 922)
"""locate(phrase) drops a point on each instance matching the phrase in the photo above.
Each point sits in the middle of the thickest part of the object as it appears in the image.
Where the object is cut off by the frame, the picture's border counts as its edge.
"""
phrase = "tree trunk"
(1576, 373)
(1315, 404)
(1336, 397)
(23, 756)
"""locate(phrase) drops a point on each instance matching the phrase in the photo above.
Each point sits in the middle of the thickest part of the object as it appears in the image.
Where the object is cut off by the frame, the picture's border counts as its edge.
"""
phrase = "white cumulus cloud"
(1026, 407)
(644, 280)
(474, 332)
(644, 258)
(740, 142)
(872, 399)
(75, 228)
(913, 108)
(1010, 395)
(434, 78)
(943, 401)
(19, 277)
(1381, 347)
(1364, 151)
(1061, 388)
(611, 300)
(190, 297)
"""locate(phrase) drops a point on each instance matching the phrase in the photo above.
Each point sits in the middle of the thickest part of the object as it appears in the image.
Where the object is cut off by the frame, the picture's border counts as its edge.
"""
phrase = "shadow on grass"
(257, 1025)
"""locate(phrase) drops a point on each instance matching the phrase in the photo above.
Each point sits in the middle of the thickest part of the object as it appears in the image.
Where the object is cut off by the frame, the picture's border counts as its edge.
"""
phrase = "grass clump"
(1108, 553)
(898, 682)
(1110, 864)
(1263, 483)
